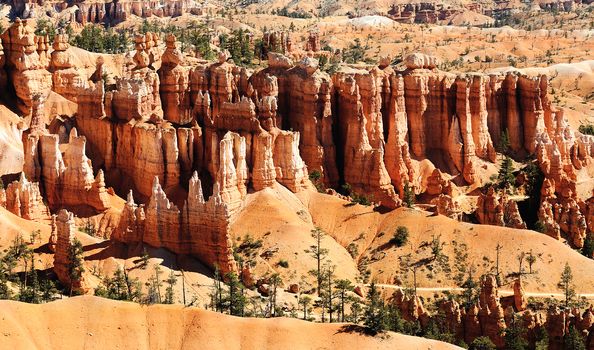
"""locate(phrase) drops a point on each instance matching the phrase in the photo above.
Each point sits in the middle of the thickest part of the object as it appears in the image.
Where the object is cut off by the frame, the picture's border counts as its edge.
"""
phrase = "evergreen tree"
(394, 319)
(588, 248)
(216, 296)
(144, 258)
(482, 343)
(504, 142)
(409, 195)
(505, 177)
(44, 27)
(5, 292)
(573, 340)
(343, 286)
(169, 291)
(305, 301)
(237, 299)
(75, 263)
(275, 281)
(374, 317)
(542, 339)
(355, 309)
(318, 253)
(515, 335)
(530, 259)
(400, 236)
(154, 288)
(328, 276)
(566, 285)
(48, 290)
(31, 293)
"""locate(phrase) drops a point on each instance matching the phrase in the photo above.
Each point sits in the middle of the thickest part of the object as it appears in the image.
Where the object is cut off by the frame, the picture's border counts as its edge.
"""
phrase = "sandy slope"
(11, 145)
(371, 231)
(95, 323)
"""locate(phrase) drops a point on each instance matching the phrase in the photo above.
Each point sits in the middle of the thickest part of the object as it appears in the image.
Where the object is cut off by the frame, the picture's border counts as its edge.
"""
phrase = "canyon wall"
(492, 314)
(375, 131)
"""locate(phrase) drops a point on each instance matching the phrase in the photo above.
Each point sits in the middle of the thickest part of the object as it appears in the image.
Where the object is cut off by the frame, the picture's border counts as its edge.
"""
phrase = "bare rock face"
(447, 206)
(263, 173)
(562, 212)
(361, 129)
(66, 229)
(313, 42)
(438, 184)
(26, 68)
(421, 61)
(491, 313)
(23, 198)
(137, 95)
(277, 60)
(53, 238)
(411, 307)
(2, 63)
(500, 211)
(520, 302)
(175, 85)
(291, 170)
(72, 83)
(277, 41)
(67, 177)
(397, 150)
(232, 172)
(200, 228)
(307, 109)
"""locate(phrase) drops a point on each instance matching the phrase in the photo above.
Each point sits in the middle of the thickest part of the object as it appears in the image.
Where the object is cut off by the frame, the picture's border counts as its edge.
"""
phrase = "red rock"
(66, 229)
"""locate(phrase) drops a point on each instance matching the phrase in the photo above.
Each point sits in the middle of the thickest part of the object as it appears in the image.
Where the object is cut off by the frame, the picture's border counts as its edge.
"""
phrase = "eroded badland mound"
(277, 162)
(92, 323)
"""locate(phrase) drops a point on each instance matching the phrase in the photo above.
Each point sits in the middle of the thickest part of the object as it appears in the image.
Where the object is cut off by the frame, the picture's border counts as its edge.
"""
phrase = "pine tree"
(328, 275)
(573, 340)
(566, 284)
(275, 281)
(343, 286)
(169, 291)
(318, 253)
(505, 177)
(5, 292)
(374, 312)
(75, 263)
(482, 343)
(588, 248)
(504, 142)
(515, 335)
(237, 299)
(48, 290)
(305, 301)
(216, 296)
(409, 196)
(30, 293)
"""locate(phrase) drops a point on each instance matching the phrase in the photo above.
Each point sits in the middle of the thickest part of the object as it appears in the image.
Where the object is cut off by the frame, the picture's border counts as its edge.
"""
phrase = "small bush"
(586, 129)
(353, 250)
(482, 343)
(539, 226)
(283, 263)
(400, 236)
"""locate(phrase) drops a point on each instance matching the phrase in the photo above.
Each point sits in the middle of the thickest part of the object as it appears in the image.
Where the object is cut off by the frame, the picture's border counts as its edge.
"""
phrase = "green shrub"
(482, 343)
(400, 236)
(587, 129)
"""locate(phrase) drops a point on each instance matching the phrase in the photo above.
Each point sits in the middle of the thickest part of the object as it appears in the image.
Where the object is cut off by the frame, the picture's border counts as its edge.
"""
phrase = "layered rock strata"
(498, 210)
(65, 236)
(26, 63)
(65, 173)
(23, 198)
(199, 228)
